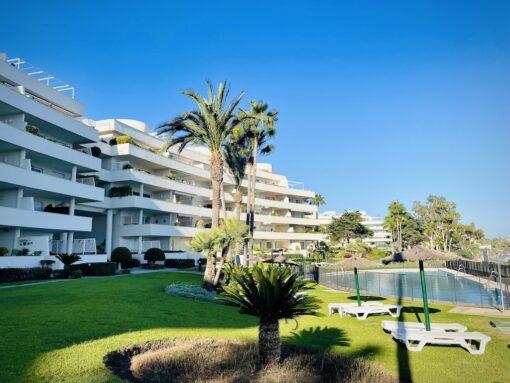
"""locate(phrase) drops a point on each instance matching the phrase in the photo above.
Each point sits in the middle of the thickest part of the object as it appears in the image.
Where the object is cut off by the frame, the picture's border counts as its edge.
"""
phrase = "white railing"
(87, 181)
(146, 245)
(42, 76)
(80, 246)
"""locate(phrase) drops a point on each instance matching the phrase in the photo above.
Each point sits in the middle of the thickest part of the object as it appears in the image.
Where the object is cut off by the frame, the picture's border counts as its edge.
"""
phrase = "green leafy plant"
(270, 293)
(96, 151)
(38, 253)
(200, 224)
(121, 255)
(153, 255)
(46, 262)
(32, 129)
(68, 260)
(171, 176)
(75, 274)
(121, 140)
(3, 250)
(120, 191)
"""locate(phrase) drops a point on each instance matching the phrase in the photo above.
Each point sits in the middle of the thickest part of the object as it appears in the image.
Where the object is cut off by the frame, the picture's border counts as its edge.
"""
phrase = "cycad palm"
(259, 124)
(205, 241)
(270, 293)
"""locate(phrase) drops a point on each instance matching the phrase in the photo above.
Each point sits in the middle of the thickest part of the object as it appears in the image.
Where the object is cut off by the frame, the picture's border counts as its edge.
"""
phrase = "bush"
(32, 129)
(171, 176)
(200, 224)
(75, 274)
(24, 274)
(96, 269)
(121, 255)
(46, 262)
(133, 262)
(179, 263)
(96, 151)
(3, 251)
(38, 253)
(153, 255)
(188, 290)
(121, 140)
(120, 191)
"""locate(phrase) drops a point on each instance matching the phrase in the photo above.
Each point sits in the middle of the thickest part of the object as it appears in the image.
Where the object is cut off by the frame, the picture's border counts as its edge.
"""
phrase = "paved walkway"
(483, 311)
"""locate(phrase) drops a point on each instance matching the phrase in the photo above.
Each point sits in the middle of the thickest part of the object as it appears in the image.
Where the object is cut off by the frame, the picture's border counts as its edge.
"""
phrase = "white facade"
(381, 236)
(42, 160)
(53, 191)
(169, 196)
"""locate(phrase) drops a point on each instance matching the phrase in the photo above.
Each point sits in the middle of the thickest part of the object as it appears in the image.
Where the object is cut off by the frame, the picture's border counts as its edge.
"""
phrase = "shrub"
(32, 129)
(133, 262)
(96, 151)
(68, 259)
(96, 269)
(57, 209)
(75, 274)
(121, 140)
(179, 263)
(121, 255)
(200, 224)
(188, 290)
(171, 176)
(153, 255)
(37, 253)
(24, 274)
(3, 250)
(46, 262)
(120, 191)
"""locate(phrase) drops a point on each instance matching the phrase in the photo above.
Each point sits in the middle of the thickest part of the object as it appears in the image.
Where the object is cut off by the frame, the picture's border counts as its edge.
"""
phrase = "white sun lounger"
(415, 340)
(362, 312)
(389, 326)
(338, 307)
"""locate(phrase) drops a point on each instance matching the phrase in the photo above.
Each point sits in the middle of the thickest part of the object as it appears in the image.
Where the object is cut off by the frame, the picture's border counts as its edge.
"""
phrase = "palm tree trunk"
(209, 274)
(238, 198)
(216, 180)
(252, 197)
(218, 271)
(248, 207)
(269, 342)
(223, 203)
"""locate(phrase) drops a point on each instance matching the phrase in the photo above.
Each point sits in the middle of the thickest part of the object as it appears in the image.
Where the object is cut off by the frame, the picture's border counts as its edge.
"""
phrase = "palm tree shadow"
(322, 338)
(366, 298)
(417, 311)
(404, 368)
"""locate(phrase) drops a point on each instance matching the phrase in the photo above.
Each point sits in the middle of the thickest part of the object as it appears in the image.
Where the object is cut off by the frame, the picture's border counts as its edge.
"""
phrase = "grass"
(60, 332)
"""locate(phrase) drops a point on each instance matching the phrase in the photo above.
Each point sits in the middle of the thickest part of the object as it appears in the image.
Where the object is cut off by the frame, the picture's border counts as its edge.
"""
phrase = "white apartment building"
(42, 159)
(381, 237)
(143, 199)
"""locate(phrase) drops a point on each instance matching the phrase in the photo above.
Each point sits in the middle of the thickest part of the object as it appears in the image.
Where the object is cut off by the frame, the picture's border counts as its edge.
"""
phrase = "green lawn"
(59, 332)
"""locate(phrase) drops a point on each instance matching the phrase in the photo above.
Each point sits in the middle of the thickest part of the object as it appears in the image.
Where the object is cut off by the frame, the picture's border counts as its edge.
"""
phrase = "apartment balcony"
(155, 230)
(46, 150)
(14, 176)
(274, 235)
(48, 222)
(56, 123)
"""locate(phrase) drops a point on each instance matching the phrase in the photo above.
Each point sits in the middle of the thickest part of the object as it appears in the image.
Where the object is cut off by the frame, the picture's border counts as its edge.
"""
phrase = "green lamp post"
(424, 295)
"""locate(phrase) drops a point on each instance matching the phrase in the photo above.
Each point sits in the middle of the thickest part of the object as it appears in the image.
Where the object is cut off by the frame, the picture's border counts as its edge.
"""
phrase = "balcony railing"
(79, 246)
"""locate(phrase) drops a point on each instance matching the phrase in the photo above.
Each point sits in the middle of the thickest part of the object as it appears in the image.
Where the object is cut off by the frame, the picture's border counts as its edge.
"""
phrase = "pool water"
(442, 286)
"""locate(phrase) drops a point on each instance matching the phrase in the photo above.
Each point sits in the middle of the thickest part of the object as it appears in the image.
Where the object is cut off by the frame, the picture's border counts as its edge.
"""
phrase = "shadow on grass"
(322, 338)
(365, 298)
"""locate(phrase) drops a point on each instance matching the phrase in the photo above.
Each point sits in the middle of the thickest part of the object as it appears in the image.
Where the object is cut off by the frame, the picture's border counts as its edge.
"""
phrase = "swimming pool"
(442, 286)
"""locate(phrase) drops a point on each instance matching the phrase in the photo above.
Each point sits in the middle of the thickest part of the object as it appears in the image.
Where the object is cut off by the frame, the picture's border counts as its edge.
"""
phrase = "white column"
(140, 217)
(141, 190)
(72, 205)
(19, 197)
(108, 239)
(140, 249)
(73, 173)
(17, 234)
(22, 156)
(70, 237)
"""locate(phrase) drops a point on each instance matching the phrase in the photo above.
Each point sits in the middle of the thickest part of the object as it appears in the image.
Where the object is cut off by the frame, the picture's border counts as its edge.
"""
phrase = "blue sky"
(378, 100)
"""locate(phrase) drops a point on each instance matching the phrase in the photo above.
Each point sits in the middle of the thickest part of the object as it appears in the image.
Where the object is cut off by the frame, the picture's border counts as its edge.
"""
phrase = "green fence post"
(358, 298)
(424, 295)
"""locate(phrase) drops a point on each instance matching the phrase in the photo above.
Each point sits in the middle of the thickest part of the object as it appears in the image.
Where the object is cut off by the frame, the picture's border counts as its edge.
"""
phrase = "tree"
(236, 156)
(412, 231)
(259, 126)
(68, 260)
(318, 200)
(211, 125)
(397, 214)
(270, 293)
(205, 241)
(346, 227)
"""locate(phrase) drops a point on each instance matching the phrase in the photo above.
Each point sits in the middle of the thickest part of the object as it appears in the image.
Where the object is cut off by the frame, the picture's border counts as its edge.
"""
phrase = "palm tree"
(259, 127)
(236, 156)
(211, 125)
(230, 232)
(270, 293)
(205, 241)
(318, 200)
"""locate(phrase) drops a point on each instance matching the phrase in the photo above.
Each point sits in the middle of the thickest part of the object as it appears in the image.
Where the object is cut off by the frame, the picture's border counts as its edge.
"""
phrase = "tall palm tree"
(270, 293)
(318, 200)
(211, 125)
(236, 156)
(259, 127)
(205, 241)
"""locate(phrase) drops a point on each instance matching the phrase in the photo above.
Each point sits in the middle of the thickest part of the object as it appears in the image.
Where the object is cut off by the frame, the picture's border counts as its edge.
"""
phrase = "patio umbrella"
(358, 297)
(424, 295)
(281, 260)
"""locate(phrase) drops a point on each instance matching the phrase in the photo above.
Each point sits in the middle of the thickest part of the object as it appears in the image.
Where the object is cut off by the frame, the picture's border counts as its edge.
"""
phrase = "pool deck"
(482, 311)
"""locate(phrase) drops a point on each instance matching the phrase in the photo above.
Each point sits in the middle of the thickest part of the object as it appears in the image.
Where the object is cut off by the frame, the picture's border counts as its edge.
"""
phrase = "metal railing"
(443, 287)
(42, 76)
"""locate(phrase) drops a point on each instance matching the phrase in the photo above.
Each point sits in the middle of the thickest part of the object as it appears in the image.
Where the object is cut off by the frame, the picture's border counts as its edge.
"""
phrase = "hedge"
(97, 269)
(130, 264)
(24, 274)
(179, 263)
(154, 254)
